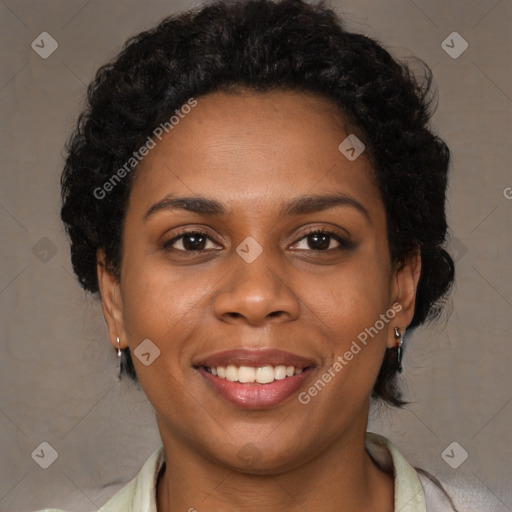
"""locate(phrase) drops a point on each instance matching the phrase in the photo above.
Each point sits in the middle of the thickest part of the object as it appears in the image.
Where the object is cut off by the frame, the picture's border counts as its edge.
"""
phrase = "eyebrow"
(298, 206)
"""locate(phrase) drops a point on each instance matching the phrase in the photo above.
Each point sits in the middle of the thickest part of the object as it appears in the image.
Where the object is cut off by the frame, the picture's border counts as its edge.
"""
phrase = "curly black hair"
(262, 45)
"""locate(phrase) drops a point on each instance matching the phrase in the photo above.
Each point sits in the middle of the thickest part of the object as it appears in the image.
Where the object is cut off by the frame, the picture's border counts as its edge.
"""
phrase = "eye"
(189, 241)
(321, 240)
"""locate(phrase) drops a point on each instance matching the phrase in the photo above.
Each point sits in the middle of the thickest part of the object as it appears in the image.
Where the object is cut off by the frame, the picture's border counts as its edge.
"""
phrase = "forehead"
(254, 148)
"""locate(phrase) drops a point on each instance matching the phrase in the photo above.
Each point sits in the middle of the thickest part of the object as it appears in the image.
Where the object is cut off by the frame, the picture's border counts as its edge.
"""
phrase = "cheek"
(165, 307)
(351, 298)
(157, 301)
(353, 305)
(161, 304)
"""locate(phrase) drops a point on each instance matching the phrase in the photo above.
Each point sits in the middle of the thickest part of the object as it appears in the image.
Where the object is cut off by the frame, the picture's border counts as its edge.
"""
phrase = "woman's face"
(254, 288)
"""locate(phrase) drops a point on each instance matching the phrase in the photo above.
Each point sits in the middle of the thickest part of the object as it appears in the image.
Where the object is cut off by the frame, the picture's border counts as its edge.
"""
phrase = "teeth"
(232, 373)
(262, 375)
(280, 372)
(265, 375)
(246, 374)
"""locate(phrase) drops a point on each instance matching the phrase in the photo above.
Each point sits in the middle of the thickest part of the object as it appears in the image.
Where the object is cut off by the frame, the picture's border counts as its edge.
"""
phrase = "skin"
(253, 153)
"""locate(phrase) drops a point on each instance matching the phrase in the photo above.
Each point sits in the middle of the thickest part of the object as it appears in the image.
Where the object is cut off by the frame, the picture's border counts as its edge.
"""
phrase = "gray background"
(58, 372)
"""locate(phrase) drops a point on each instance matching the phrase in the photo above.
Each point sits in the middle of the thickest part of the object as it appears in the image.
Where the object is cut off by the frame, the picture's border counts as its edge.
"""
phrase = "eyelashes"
(197, 237)
(320, 235)
(316, 239)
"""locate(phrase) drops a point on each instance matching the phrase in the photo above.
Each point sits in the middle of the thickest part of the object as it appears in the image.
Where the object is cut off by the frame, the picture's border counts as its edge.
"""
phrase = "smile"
(255, 379)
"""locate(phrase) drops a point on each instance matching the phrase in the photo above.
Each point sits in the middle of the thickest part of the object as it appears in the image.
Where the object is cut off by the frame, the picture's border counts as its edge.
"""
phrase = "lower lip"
(256, 396)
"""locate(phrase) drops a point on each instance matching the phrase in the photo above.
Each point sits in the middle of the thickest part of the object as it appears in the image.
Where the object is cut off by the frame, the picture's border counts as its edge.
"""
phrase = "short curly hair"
(263, 45)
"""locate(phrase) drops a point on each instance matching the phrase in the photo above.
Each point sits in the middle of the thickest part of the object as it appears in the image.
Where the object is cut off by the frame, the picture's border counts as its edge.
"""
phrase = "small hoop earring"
(118, 348)
(399, 336)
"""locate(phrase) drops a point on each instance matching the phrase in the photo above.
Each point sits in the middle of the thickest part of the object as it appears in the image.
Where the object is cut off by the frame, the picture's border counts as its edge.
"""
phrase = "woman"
(257, 197)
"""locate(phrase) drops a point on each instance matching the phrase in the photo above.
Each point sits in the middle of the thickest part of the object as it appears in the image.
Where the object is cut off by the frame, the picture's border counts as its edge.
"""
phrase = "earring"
(118, 348)
(399, 349)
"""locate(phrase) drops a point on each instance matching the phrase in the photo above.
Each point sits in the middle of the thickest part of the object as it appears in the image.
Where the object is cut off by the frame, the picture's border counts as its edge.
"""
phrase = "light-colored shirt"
(414, 492)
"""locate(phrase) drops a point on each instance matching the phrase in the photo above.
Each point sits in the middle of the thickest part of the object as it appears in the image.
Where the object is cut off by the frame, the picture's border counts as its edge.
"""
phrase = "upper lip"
(254, 357)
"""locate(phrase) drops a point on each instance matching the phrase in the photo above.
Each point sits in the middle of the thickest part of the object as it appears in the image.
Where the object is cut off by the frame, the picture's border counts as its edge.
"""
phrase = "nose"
(256, 293)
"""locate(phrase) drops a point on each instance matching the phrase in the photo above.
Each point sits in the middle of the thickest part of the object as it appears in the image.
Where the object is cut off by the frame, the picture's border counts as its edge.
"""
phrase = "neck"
(343, 477)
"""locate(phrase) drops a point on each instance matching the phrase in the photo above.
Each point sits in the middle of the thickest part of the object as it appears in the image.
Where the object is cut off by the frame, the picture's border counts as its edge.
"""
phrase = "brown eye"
(320, 240)
(193, 242)
(189, 241)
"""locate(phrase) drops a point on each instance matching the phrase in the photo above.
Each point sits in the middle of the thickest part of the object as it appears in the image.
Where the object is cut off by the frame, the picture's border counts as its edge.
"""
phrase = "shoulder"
(437, 498)
(138, 494)
(415, 491)
(425, 492)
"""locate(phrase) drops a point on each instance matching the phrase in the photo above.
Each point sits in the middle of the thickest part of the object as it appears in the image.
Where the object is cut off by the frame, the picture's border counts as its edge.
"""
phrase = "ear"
(403, 293)
(111, 302)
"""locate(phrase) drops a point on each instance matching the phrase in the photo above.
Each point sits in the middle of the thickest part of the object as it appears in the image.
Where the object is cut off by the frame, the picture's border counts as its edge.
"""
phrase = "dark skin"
(253, 153)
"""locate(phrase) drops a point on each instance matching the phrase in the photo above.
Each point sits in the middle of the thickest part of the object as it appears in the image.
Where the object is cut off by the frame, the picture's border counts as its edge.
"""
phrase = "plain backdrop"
(58, 372)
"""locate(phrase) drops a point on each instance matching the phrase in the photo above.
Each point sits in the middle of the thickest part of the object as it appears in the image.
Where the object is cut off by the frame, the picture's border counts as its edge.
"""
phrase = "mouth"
(255, 379)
